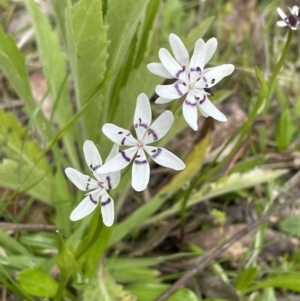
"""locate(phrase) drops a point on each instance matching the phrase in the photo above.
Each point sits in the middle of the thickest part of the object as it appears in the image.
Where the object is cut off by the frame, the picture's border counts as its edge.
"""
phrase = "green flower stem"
(177, 105)
(263, 94)
(91, 239)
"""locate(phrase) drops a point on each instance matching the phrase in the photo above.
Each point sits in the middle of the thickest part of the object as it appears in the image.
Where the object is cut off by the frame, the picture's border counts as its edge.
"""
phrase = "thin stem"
(178, 104)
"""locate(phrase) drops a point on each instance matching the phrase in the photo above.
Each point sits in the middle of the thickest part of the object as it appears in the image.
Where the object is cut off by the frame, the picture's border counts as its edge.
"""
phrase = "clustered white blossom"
(292, 20)
(191, 79)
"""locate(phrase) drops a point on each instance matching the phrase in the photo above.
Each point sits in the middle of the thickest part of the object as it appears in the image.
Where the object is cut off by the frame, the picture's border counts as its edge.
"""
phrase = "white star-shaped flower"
(292, 20)
(191, 78)
(146, 134)
(98, 187)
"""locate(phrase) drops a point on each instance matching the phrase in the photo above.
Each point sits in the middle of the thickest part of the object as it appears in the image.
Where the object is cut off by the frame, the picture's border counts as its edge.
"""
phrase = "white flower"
(146, 134)
(191, 78)
(292, 20)
(99, 186)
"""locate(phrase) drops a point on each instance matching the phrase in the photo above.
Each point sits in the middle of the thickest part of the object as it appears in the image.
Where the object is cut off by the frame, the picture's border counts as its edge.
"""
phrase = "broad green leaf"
(285, 130)
(150, 291)
(288, 281)
(59, 7)
(54, 68)
(123, 18)
(19, 262)
(291, 225)
(87, 49)
(38, 184)
(12, 63)
(228, 184)
(37, 283)
(245, 278)
(104, 288)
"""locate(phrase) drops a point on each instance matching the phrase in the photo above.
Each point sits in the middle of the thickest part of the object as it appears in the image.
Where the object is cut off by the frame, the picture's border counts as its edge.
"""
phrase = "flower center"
(140, 144)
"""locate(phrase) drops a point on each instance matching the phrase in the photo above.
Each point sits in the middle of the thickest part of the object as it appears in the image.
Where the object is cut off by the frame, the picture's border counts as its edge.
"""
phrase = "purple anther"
(88, 184)
(154, 135)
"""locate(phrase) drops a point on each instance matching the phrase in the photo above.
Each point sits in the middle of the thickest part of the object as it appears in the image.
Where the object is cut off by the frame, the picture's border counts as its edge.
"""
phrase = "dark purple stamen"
(140, 162)
(94, 168)
(91, 199)
(124, 156)
(190, 103)
(88, 184)
(213, 80)
(198, 69)
(157, 153)
(154, 135)
(106, 202)
(108, 182)
(201, 101)
(123, 140)
(178, 90)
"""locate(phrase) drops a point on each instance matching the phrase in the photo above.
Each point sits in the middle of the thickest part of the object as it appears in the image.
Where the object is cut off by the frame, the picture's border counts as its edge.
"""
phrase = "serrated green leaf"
(123, 18)
(12, 63)
(228, 184)
(37, 283)
(54, 68)
(87, 48)
(38, 184)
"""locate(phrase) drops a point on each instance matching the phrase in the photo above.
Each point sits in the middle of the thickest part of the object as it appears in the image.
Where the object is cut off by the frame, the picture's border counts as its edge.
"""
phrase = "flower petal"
(114, 151)
(281, 23)
(171, 64)
(159, 127)
(206, 106)
(161, 100)
(211, 46)
(164, 157)
(107, 209)
(281, 13)
(197, 60)
(160, 70)
(140, 171)
(142, 115)
(91, 155)
(215, 75)
(180, 52)
(173, 91)
(80, 180)
(295, 10)
(118, 135)
(119, 162)
(86, 206)
(112, 180)
(189, 110)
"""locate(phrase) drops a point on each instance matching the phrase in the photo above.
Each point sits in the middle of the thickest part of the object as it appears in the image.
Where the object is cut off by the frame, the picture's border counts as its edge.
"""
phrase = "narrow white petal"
(114, 151)
(189, 110)
(160, 70)
(142, 115)
(107, 209)
(215, 75)
(86, 206)
(210, 109)
(161, 100)
(202, 112)
(281, 23)
(173, 91)
(119, 162)
(171, 64)
(180, 52)
(91, 155)
(112, 180)
(159, 127)
(80, 180)
(295, 10)
(197, 60)
(281, 13)
(211, 46)
(164, 158)
(118, 135)
(140, 172)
